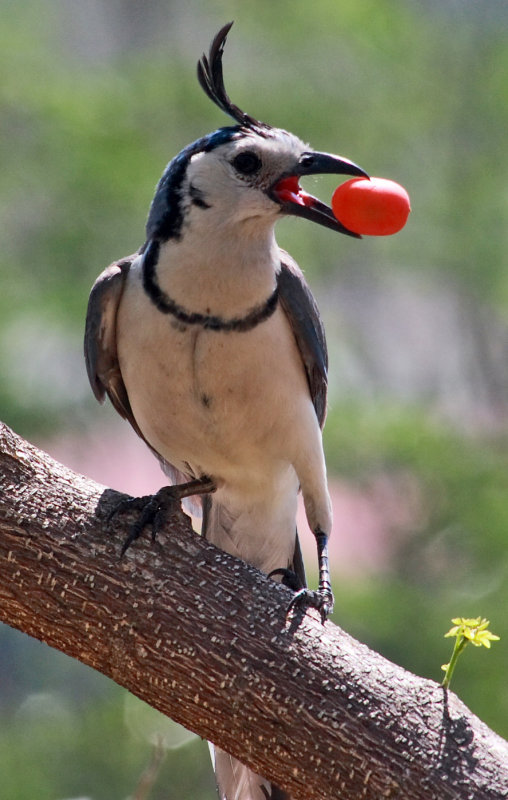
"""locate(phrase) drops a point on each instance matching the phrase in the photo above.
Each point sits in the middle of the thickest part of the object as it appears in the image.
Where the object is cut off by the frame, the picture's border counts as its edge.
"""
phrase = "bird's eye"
(247, 163)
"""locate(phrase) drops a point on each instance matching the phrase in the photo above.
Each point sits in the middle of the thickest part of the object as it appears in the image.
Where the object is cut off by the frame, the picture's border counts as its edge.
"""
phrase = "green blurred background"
(95, 97)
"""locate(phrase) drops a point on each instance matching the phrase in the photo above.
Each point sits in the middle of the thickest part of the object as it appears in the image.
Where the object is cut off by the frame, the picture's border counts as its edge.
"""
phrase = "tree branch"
(204, 638)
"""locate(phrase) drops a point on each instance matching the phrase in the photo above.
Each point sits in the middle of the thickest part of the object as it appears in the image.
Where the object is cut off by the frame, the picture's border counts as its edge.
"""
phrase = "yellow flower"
(466, 630)
(474, 630)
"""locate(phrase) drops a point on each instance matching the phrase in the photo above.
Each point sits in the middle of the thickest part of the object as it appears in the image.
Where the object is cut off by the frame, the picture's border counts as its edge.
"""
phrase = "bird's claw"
(154, 511)
(289, 578)
(322, 600)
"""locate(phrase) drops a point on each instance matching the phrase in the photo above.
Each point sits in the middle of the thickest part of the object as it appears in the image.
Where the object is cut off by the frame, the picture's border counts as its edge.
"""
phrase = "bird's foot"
(154, 510)
(322, 600)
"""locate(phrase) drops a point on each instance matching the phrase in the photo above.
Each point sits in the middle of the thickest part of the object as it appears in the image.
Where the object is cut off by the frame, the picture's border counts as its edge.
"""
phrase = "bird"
(209, 342)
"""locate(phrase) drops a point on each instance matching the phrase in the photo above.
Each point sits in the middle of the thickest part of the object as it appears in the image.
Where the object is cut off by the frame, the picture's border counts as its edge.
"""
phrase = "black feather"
(211, 79)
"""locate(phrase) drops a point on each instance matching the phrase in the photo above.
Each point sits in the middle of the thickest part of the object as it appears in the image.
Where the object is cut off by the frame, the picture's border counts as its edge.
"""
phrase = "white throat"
(223, 273)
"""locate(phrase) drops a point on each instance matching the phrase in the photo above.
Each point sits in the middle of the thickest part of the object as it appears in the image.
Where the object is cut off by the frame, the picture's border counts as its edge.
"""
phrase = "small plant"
(466, 630)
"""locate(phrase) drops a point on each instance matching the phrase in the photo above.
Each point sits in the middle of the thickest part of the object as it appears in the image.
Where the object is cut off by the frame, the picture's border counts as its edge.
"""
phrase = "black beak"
(294, 200)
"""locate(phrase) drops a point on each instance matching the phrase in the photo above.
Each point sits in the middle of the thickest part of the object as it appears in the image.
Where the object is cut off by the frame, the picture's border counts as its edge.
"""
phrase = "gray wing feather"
(298, 566)
(302, 312)
(101, 354)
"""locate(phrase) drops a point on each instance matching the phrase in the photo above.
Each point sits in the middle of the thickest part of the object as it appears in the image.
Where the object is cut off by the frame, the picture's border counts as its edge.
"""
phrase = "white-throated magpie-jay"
(209, 342)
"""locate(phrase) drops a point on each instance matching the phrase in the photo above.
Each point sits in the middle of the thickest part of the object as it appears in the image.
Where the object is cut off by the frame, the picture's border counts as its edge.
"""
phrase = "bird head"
(241, 173)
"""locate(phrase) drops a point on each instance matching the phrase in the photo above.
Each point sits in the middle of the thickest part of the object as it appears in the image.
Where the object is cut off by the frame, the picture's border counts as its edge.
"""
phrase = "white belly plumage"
(231, 406)
(217, 402)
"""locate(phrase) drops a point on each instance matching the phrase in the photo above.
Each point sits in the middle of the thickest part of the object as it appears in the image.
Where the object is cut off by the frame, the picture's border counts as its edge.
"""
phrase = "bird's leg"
(322, 599)
(324, 586)
(157, 508)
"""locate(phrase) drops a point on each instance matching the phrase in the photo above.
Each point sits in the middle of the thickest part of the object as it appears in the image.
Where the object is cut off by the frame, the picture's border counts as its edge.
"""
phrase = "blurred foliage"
(90, 749)
(417, 91)
(405, 89)
(455, 563)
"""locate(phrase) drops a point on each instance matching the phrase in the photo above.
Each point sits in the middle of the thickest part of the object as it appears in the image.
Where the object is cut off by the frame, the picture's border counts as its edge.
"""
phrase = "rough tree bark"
(204, 638)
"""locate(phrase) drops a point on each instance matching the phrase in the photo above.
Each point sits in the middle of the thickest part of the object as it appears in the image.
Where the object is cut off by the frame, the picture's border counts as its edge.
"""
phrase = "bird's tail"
(243, 534)
(237, 782)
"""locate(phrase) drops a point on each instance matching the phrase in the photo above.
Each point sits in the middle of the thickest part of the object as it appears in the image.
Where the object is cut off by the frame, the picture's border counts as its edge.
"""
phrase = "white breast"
(225, 403)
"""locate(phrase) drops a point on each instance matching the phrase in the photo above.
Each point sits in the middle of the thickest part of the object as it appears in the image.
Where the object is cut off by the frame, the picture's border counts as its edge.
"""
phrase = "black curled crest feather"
(211, 79)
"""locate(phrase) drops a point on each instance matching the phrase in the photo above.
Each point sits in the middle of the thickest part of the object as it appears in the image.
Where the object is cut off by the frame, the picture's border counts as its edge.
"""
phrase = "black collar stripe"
(211, 322)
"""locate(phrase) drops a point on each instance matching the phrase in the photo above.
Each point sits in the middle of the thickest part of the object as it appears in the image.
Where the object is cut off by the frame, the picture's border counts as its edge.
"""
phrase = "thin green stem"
(460, 643)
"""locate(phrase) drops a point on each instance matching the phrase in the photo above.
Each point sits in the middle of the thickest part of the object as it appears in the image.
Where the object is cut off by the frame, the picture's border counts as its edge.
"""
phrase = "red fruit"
(375, 207)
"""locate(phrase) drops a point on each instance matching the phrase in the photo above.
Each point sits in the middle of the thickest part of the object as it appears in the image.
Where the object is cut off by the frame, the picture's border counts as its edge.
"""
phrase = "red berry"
(375, 206)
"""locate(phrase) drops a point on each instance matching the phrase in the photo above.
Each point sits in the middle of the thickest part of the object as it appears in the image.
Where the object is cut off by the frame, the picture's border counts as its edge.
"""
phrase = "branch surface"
(204, 638)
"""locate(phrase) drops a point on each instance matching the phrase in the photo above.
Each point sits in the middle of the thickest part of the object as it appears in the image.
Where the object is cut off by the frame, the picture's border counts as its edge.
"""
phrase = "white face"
(234, 178)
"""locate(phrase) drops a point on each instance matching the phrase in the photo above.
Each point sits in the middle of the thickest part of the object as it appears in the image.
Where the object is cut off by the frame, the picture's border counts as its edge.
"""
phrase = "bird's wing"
(101, 354)
(302, 312)
(303, 315)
